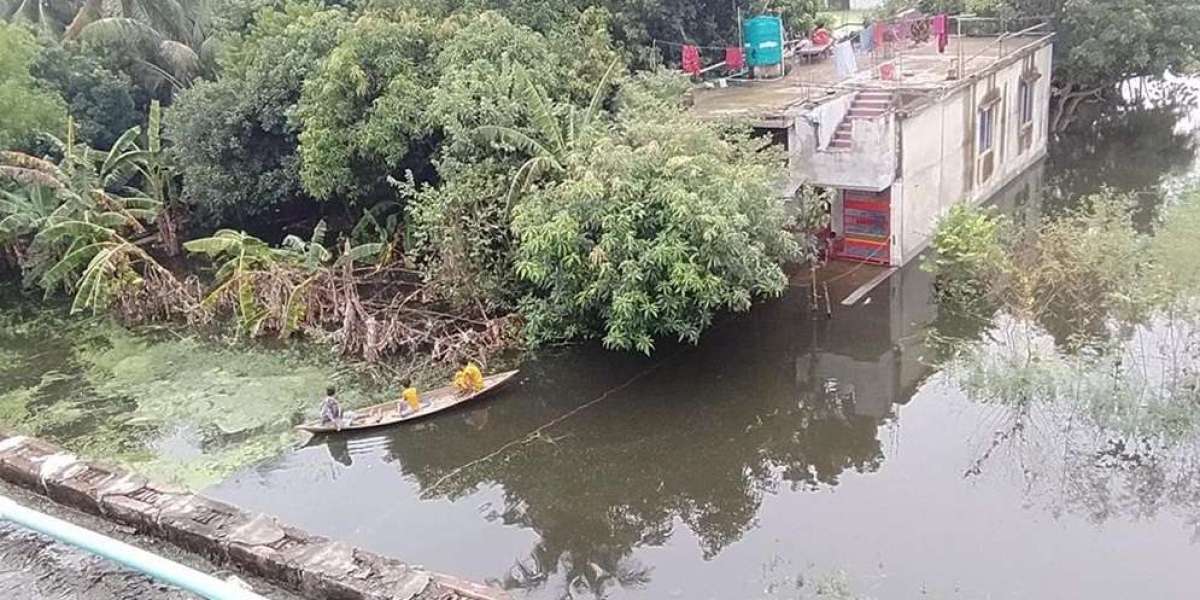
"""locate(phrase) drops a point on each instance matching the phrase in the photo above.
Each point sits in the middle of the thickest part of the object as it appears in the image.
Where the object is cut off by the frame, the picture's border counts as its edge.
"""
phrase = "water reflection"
(775, 400)
(610, 475)
(1140, 147)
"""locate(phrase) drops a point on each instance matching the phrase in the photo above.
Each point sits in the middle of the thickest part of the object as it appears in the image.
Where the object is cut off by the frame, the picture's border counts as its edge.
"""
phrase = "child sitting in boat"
(411, 398)
(331, 411)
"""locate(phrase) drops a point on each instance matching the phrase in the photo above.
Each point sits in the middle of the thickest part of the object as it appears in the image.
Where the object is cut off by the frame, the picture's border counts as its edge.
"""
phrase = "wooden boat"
(396, 411)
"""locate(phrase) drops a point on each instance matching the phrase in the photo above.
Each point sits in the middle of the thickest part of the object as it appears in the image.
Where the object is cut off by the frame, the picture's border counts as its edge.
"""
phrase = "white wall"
(869, 165)
(938, 148)
(826, 118)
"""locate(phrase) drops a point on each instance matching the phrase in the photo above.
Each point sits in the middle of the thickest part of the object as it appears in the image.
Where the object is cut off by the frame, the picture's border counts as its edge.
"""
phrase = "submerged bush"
(1071, 274)
(968, 253)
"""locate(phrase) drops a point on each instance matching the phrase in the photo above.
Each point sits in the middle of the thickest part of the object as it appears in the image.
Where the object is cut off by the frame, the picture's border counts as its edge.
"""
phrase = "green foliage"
(799, 16)
(28, 107)
(98, 99)
(968, 253)
(552, 139)
(653, 228)
(1073, 275)
(362, 112)
(239, 154)
(160, 44)
(76, 226)
(1173, 250)
(483, 71)
(461, 236)
(240, 257)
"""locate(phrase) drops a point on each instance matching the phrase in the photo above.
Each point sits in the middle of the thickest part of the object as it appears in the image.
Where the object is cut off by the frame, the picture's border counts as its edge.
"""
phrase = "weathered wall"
(940, 162)
(933, 148)
(824, 119)
(869, 165)
(315, 566)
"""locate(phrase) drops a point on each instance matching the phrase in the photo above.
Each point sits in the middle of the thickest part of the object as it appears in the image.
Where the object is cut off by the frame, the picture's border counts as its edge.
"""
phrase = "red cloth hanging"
(880, 32)
(691, 60)
(734, 59)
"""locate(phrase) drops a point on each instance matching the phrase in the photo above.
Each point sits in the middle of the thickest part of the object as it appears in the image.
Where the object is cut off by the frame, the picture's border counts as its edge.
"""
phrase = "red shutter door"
(867, 220)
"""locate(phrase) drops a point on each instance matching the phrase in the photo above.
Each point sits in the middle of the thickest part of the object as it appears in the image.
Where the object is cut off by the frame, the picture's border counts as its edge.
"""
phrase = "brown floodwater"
(785, 451)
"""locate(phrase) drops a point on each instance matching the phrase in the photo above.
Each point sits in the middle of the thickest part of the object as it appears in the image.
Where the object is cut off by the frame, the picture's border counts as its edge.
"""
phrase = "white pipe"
(148, 563)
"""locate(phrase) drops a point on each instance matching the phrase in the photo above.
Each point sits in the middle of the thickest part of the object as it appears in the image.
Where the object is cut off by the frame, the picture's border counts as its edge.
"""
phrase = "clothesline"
(875, 35)
(679, 45)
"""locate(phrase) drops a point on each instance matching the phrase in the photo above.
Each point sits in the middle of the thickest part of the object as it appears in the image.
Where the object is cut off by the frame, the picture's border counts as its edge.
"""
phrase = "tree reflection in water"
(695, 440)
(1108, 436)
(769, 401)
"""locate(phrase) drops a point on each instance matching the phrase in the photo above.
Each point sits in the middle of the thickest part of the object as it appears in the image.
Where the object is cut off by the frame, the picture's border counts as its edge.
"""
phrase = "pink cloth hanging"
(734, 59)
(941, 30)
(691, 60)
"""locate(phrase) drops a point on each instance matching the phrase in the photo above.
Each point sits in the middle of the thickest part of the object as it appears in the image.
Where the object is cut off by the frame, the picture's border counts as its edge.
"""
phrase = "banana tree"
(552, 138)
(99, 263)
(144, 154)
(244, 260)
(241, 257)
(78, 216)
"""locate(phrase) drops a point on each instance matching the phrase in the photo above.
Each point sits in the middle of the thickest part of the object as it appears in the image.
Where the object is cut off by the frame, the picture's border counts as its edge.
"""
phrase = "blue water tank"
(763, 36)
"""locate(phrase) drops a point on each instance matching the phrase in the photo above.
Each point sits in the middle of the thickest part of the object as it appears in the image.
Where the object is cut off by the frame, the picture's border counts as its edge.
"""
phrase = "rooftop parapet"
(976, 47)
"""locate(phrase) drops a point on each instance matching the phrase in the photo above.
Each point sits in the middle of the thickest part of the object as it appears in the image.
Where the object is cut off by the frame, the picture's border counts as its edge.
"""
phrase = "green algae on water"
(177, 409)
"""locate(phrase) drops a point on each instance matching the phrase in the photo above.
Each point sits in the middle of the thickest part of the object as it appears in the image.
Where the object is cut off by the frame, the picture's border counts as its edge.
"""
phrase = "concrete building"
(911, 132)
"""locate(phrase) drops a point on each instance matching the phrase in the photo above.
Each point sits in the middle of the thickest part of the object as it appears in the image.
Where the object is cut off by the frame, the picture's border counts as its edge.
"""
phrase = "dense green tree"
(26, 106)
(487, 67)
(98, 99)
(1104, 42)
(657, 223)
(236, 143)
(363, 113)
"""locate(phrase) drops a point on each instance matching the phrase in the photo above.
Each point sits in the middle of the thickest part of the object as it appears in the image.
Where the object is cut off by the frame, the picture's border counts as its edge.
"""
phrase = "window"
(1025, 101)
(987, 120)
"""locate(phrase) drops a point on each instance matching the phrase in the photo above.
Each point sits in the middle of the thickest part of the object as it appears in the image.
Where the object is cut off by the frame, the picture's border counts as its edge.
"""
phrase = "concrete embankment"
(258, 544)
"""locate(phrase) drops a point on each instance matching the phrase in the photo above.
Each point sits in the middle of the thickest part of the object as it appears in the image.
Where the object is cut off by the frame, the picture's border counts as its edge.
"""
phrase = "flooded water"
(787, 454)
(783, 456)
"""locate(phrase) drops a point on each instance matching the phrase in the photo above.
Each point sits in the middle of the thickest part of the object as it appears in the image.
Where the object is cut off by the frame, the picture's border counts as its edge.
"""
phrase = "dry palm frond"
(14, 162)
(179, 60)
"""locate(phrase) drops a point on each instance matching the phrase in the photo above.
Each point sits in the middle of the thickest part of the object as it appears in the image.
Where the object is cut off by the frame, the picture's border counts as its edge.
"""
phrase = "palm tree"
(169, 41)
(553, 138)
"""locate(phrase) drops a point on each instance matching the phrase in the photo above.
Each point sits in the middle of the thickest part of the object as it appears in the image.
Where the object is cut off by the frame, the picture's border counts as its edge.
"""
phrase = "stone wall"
(259, 544)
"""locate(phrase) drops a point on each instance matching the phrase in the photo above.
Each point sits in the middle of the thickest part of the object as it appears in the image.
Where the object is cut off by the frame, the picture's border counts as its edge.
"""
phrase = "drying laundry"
(843, 60)
(691, 60)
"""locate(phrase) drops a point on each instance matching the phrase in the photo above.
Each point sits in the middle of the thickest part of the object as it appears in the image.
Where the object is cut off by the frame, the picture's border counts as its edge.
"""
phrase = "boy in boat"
(412, 399)
(331, 411)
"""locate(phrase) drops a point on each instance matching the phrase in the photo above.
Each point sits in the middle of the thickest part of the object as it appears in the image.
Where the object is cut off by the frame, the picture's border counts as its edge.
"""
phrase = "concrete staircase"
(867, 104)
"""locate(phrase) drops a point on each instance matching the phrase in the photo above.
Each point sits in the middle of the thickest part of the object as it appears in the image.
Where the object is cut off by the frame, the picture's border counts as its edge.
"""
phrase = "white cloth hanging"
(843, 60)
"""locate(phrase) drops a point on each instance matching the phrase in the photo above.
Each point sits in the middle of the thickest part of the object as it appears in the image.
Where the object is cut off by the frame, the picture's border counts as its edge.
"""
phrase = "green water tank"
(763, 36)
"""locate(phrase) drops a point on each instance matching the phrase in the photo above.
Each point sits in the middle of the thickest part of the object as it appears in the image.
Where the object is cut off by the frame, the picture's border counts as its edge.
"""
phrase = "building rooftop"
(921, 68)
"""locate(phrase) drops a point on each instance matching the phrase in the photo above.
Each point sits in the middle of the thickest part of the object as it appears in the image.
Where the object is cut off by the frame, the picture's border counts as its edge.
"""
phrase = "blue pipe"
(150, 564)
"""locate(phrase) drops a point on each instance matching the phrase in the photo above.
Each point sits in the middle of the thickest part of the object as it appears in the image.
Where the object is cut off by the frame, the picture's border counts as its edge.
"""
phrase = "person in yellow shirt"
(411, 398)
